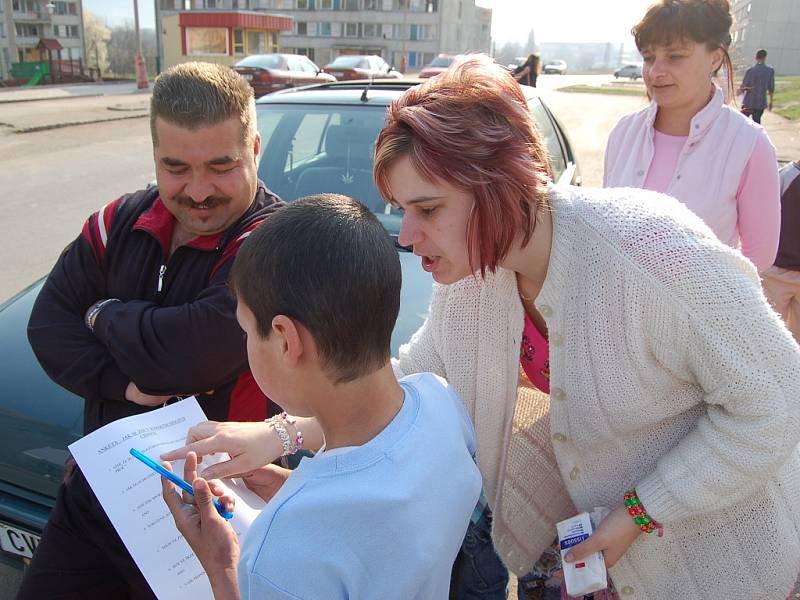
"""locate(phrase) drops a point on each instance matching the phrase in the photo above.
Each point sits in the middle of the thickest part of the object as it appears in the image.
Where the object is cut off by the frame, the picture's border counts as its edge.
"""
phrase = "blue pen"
(176, 480)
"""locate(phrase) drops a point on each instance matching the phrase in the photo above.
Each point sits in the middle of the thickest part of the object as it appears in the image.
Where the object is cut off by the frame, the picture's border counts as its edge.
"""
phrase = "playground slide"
(34, 80)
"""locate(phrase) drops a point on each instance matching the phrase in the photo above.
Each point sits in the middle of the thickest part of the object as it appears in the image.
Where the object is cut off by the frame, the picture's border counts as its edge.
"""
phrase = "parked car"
(558, 67)
(353, 66)
(315, 139)
(633, 71)
(438, 65)
(268, 73)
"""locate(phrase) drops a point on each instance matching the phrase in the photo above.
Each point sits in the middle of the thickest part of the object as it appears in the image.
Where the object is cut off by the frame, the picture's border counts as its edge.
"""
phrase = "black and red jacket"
(175, 331)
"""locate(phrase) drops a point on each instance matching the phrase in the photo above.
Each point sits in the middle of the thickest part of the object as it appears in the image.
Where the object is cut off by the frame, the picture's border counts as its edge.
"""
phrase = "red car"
(353, 66)
(271, 72)
(438, 65)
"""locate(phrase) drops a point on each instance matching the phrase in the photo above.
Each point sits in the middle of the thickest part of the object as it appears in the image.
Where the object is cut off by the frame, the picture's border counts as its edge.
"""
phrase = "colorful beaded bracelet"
(635, 509)
(289, 447)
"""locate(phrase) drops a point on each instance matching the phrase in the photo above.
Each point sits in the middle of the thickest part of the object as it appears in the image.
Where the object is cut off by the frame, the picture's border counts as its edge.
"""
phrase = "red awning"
(49, 44)
(235, 20)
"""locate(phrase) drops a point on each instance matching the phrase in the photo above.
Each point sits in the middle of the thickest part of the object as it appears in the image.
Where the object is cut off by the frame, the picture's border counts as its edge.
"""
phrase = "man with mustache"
(137, 312)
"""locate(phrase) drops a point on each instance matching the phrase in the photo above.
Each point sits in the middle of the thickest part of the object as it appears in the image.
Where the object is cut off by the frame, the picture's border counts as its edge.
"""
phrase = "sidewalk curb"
(74, 123)
(2, 101)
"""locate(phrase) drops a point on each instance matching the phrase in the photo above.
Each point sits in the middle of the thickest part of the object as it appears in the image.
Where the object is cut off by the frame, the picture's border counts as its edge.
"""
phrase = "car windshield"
(442, 61)
(348, 62)
(312, 149)
(260, 61)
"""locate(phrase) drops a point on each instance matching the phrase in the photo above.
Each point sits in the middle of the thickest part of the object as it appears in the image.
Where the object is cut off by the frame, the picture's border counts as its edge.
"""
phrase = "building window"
(25, 5)
(302, 5)
(206, 40)
(302, 28)
(350, 5)
(309, 52)
(238, 41)
(326, 5)
(25, 30)
(372, 5)
(432, 6)
(370, 30)
(417, 5)
(2, 30)
(351, 30)
(256, 42)
(61, 7)
(324, 29)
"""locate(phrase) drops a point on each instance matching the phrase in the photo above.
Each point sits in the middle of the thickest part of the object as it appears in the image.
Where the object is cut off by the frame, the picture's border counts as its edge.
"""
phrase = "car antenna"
(366, 89)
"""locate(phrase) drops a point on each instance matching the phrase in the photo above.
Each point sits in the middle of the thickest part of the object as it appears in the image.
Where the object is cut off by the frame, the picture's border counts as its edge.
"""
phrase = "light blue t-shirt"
(384, 520)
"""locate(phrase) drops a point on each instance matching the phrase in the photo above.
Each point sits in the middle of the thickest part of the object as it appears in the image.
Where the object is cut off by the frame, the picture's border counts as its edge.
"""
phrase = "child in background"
(382, 509)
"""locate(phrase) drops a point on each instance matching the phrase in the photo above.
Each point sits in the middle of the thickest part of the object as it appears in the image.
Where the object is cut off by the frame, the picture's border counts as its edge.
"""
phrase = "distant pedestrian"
(688, 143)
(528, 71)
(759, 80)
(782, 281)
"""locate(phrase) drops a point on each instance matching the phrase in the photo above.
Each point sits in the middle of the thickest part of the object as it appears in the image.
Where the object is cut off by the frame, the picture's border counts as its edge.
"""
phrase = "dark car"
(438, 65)
(316, 139)
(354, 66)
(268, 73)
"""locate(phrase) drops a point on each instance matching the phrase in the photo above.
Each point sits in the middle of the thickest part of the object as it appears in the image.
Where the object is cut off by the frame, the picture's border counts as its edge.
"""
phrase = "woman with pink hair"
(610, 350)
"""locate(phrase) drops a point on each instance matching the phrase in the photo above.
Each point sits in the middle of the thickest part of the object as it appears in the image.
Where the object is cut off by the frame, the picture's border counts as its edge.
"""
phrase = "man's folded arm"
(186, 349)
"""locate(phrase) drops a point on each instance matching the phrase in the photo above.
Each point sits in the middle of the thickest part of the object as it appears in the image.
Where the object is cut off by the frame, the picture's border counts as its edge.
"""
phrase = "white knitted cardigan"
(669, 372)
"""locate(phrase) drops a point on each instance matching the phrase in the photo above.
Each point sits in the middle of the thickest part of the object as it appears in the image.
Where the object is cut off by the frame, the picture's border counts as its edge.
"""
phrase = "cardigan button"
(556, 339)
(545, 310)
(558, 394)
(575, 473)
(627, 591)
(559, 437)
(640, 173)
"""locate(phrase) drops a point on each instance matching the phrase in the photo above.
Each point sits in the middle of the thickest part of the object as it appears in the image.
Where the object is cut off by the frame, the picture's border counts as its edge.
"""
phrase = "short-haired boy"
(381, 510)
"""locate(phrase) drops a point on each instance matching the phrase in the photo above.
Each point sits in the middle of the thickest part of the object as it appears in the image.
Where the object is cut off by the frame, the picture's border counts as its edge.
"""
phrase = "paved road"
(52, 180)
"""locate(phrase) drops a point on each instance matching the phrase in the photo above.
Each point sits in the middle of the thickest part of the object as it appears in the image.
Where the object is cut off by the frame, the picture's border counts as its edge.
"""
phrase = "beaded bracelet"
(641, 518)
(298, 437)
(289, 447)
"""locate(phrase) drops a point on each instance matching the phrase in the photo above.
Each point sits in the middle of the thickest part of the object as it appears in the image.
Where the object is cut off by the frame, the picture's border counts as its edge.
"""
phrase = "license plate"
(248, 76)
(18, 541)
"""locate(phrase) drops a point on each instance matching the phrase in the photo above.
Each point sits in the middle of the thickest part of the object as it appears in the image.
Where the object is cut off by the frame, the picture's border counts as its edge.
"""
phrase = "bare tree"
(96, 37)
(122, 48)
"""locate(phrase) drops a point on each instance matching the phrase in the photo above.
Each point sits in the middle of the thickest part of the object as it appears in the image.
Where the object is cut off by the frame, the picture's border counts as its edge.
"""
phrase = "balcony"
(27, 41)
(31, 17)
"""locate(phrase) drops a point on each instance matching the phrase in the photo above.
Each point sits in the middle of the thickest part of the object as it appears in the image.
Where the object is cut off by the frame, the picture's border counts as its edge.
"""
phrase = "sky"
(565, 20)
(551, 20)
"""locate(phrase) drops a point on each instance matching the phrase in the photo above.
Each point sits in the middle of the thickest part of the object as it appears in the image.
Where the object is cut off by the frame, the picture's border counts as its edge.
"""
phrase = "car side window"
(308, 66)
(295, 64)
(307, 140)
(549, 135)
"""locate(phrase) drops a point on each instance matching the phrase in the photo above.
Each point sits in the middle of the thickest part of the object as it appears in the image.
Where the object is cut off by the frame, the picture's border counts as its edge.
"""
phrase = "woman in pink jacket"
(688, 143)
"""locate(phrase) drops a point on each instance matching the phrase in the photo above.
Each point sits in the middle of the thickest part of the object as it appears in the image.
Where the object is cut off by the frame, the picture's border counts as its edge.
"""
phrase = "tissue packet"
(586, 575)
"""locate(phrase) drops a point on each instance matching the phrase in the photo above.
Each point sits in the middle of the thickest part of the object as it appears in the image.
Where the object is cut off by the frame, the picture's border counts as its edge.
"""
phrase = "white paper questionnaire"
(130, 493)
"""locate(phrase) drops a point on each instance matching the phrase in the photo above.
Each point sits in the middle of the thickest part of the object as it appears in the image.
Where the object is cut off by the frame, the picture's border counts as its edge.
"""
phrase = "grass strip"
(599, 89)
(786, 101)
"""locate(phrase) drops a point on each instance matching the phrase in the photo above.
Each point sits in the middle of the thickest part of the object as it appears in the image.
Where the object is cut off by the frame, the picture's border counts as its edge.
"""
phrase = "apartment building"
(406, 33)
(769, 24)
(41, 30)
